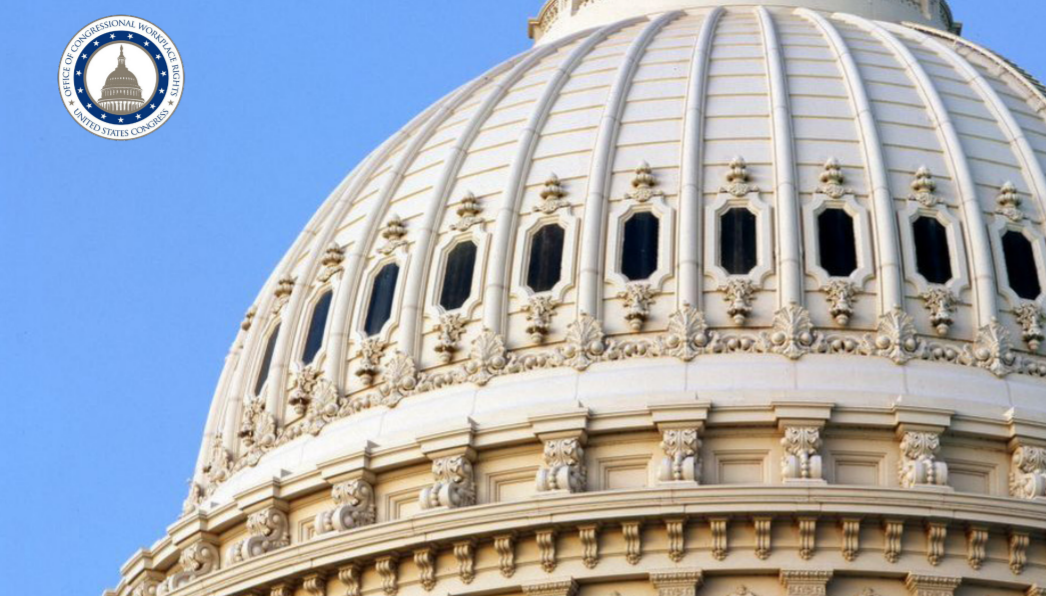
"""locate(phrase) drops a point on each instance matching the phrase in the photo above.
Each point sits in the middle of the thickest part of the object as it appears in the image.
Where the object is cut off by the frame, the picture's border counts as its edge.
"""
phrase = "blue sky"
(128, 265)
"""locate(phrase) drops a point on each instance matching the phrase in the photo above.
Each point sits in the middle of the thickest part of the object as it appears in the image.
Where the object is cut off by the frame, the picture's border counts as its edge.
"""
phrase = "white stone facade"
(779, 431)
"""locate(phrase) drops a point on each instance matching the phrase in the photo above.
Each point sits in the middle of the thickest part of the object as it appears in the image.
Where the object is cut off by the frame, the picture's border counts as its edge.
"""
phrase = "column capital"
(552, 587)
(806, 582)
(677, 582)
(931, 585)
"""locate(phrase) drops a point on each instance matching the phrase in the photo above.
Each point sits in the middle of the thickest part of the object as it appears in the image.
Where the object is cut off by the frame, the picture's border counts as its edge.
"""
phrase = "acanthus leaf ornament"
(1009, 203)
(801, 460)
(738, 293)
(449, 330)
(1028, 473)
(218, 468)
(585, 342)
(564, 467)
(687, 334)
(468, 213)
(793, 333)
(539, 311)
(643, 185)
(941, 304)
(267, 530)
(305, 383)
(832, 180)
(737, 179)
(919, 466)
(371, 351)
(992, 350)
(638, 297)
(1030, 318)
(399, 379)
(841, 297)
(355, 508)
(487, 358)
(257, 430)
(923, 187)
(895, 338)
(551, 196)
(454, 484)
(394, 233)
(331, 262)
(681, 462)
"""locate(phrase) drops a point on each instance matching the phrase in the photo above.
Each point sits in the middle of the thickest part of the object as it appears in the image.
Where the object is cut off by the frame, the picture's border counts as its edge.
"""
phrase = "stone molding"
(805, 582)
(676, 582)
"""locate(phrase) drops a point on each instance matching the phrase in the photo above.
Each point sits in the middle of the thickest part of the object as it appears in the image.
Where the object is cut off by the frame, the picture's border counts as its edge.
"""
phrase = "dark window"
(457, 280)
(932, 255)
(379, 311)
(837, 243)
(314, 340)
(263, 372)
(545, 265)
(737, 243)
(639, 248)
(1020, 265)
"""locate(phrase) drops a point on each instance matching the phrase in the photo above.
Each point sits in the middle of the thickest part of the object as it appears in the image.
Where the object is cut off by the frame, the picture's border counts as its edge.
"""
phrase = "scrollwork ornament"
(306, 382)
(468, 213)
(371, 351)
(738, 293)
(355, 508)
(680, 462)
(841, 298)
(918, 460)
(539, 311)
(564, 468)
(454, 484)
(1030, 318)
(941, 304)
(638, 297)
(801, 461)
(1028, 473)
(196, 560)
(331, 262)
(394, 233)
(267, 530)
(643, 185)
(449, 330)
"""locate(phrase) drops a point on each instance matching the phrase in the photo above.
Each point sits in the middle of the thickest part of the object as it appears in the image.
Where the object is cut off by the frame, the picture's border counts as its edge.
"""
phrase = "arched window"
(545, 265)
(837, 243)
(737, 241)
(933, 257)
(379, 309)
(317, 326)
(457, 278)
(263, 372)
(1020, 265)
(639, 247)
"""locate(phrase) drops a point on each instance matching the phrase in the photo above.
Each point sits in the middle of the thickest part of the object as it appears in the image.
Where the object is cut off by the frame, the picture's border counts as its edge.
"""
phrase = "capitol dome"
(121, 93)
(738, 298)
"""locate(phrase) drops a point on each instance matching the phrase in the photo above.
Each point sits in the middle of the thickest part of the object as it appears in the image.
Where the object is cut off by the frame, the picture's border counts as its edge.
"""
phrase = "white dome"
(780, 109)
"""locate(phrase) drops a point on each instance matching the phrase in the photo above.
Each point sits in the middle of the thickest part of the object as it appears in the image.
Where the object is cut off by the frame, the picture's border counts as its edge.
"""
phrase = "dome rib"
(975, 229)
(411, 312)
(593, 238)
(1031, 168)
(497, 284)
(786, 196)
(885, 232)
(690, 210)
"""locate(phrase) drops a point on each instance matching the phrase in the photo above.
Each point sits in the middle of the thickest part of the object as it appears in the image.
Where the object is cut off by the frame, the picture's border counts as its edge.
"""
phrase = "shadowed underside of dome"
(748, 223)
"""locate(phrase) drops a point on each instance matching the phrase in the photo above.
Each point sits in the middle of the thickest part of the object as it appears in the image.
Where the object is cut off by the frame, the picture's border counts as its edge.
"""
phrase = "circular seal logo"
(121, 77)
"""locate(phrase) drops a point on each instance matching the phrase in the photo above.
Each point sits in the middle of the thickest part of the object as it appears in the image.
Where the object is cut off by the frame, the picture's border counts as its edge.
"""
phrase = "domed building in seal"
(717, 297)
(121, 93)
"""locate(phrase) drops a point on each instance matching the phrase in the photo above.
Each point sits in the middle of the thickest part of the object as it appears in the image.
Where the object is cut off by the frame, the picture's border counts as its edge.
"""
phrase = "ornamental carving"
(487, 358)
(941, 304)
(681, 462)
(539, 311)
(1028, 473)
(267, 530)
(147, 587)
(841, 298)
(1008, 203)
(219, 465)
(307, 387)
(893, 533)
(389, 571)
(793, 333)
(643, 185)
(585, 342)
(589, 537)
(257, 428)
(331, 262)
(248, 318)
(633, 534)
(282, 293)
(394, 233)
(807, 537)
(468, 213)
(931, 585)
(763, 537)
(738, 293)
(400, 379)
(564, 468)
(355, 508)
(1030, 318)
(720, 544)
(454, 484)
(425, 561)
(805, 582)
(737, 179)
(676, 582)
(895, 338)
(465, 553)
(976, 543)
(371, 351)
(851, 538)
(936, 534)
(675, 529)
(1018, 544)
(449, 330)
(923, 187)
(801, 461)
(546, 540)
(505, 547)
(992, 350)
(351, 577)
(196, 561)
(687, 334)
(918, 464)
(742, 590)
(638, 297)
(551, 196)
(832, 180)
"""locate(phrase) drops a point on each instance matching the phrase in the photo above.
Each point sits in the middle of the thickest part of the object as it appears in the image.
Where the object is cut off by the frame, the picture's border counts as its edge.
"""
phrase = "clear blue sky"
(127, 266)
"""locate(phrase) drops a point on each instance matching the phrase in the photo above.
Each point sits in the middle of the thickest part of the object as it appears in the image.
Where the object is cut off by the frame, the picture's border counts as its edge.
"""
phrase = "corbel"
(680, 424)
(801, 424)
(563, 435)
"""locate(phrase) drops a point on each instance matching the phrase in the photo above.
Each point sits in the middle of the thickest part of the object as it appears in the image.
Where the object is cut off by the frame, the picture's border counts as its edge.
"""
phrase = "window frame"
(999, 226)
(521, 259)
(764, 239)
(435, 285)
(258, 358)
(666, 258)
(306, 323)
(363, 301)
(956, 247)
(812, 211)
